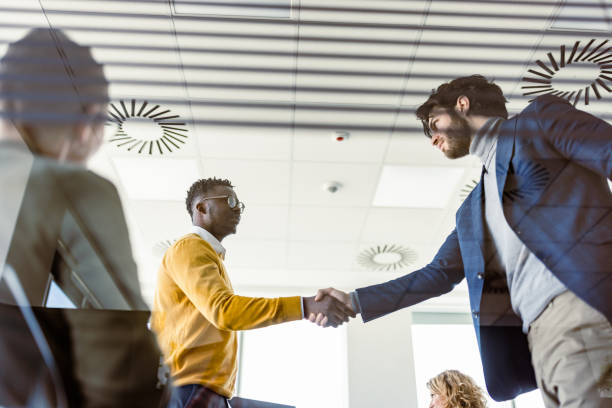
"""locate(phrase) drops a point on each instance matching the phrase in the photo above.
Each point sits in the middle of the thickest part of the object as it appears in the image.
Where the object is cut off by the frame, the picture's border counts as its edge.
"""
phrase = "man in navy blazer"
(533, 240)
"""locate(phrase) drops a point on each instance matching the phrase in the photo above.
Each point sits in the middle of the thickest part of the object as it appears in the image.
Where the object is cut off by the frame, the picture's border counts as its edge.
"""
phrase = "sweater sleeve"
(194, 267)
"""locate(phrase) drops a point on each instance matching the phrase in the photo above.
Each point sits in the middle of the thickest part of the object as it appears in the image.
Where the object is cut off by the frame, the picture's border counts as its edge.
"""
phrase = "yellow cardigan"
(196, 315)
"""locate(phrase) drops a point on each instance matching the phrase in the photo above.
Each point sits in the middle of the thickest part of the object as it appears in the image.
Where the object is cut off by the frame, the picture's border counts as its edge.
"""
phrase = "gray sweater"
(531, 284)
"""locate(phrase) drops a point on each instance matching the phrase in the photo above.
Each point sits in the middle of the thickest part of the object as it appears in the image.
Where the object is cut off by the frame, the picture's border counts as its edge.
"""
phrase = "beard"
(458, 136)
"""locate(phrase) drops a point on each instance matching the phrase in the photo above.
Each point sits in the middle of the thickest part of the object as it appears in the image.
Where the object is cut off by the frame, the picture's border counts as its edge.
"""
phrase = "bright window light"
(295, 363)
(57, 298)
(432, 355)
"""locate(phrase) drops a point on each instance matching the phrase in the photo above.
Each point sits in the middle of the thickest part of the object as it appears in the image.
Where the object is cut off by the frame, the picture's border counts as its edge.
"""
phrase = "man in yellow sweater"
(196, 313)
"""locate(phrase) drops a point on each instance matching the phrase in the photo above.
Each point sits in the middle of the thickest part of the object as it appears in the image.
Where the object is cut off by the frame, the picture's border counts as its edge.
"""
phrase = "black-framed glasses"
(232, 201)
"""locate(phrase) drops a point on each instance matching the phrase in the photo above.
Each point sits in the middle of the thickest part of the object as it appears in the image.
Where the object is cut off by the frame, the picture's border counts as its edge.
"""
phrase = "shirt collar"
(208, 237)
(485, 140)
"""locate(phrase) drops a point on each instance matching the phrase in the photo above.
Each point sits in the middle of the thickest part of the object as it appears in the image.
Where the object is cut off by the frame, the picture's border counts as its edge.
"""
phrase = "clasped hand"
(330, 307)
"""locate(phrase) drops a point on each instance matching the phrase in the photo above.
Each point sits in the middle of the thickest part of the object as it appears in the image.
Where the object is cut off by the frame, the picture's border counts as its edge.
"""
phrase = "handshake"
(330, 307)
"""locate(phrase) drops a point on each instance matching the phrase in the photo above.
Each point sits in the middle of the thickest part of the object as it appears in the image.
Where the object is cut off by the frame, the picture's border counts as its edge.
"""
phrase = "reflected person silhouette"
(62, 224)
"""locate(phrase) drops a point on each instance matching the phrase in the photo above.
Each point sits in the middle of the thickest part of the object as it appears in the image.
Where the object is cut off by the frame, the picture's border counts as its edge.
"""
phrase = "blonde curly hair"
(457, 390)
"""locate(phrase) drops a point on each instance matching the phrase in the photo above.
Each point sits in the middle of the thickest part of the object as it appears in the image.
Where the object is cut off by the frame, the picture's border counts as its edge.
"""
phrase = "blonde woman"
(453, 389)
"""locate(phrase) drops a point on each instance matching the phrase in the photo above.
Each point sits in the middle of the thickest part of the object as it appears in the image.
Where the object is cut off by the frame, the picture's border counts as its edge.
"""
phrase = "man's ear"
(463, 104)
(201, 207)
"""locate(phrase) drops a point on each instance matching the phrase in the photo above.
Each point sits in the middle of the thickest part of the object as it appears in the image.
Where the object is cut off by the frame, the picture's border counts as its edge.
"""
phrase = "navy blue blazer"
(553, 162)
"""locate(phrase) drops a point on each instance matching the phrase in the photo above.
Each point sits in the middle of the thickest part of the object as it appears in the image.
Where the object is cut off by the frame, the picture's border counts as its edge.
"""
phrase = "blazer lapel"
(477, 215)
(505, 151)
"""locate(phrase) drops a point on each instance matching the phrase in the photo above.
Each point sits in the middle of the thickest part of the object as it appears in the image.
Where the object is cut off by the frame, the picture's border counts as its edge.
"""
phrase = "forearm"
(234, 312)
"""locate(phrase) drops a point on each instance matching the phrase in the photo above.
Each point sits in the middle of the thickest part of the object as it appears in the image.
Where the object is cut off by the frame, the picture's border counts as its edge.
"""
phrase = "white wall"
(380, 362)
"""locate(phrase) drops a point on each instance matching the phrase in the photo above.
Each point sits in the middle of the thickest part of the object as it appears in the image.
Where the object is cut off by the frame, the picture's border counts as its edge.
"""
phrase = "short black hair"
(486, 98)
(201, 187)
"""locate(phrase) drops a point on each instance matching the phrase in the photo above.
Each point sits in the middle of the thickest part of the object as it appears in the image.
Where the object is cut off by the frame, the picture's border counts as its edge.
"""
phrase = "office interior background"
(291, 100)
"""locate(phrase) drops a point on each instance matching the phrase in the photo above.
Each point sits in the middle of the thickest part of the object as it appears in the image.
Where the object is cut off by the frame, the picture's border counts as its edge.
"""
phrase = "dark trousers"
(196, 396)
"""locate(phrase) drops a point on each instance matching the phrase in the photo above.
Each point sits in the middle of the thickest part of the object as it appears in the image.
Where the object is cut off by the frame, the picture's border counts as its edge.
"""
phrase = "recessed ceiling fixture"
(574, 74)
(143, 128)
(160, 248)
(390, 257)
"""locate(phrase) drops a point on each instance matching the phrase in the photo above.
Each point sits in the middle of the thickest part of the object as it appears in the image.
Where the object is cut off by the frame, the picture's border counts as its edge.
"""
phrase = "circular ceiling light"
(388, 257)
(573, 74)
(146, 129)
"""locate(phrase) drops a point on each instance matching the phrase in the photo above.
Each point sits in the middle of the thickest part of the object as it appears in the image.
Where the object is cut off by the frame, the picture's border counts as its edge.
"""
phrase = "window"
(440, 344)
(295, 363)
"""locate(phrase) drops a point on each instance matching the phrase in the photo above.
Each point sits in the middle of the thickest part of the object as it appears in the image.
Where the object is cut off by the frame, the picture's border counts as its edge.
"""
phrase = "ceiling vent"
(582, 73)
(387, 258)
(145, 128)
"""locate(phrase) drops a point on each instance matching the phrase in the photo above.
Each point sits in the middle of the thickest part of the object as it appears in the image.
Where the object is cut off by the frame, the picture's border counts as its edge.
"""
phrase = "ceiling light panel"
(358, 182)
(156, 178)
(355, 51)
(420, 187)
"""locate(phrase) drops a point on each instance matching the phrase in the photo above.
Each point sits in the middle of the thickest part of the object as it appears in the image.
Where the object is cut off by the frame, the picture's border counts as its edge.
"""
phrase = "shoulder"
(192, 243)
(546, 102)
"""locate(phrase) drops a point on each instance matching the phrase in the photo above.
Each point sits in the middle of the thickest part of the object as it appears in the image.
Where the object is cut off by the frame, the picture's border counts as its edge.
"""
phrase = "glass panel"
(297, 364)
(433, 354)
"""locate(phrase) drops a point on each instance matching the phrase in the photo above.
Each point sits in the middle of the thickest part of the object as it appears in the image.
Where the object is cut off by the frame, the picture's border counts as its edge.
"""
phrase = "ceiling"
(258, 90)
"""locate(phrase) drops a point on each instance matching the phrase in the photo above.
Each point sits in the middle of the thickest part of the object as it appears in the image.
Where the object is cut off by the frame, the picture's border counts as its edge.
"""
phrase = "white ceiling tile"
(257, 182)
(403, 226)
(321, 255)
(411, 186)
(325, 223)
(254, 254)
(491, 14)
(231, 141)
(264, 222)
(366, 144)
(348, 53)
(145, 178)
(244, 68)
(357, 184)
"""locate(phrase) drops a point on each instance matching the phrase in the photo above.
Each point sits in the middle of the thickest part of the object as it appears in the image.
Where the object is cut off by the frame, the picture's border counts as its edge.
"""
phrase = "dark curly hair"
(201, 187)
(485, 97)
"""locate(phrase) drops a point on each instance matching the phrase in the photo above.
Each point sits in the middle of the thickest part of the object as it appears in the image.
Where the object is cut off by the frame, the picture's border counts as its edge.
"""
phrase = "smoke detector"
(332, 186)
(340, 135)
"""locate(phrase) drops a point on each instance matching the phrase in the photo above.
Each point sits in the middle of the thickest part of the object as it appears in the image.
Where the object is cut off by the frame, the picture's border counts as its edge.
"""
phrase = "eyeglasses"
(232, 201)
